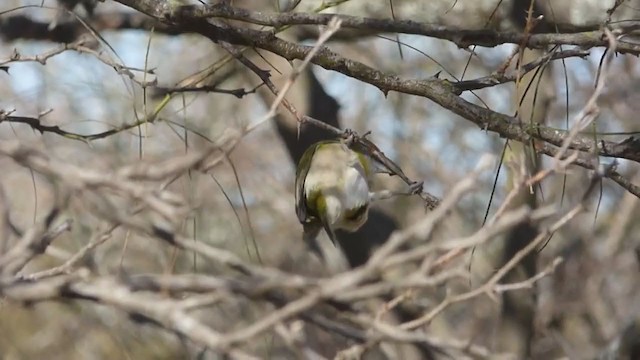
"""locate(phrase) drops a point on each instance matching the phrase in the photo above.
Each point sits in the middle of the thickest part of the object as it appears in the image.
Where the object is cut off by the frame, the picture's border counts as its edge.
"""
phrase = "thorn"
(265, 73)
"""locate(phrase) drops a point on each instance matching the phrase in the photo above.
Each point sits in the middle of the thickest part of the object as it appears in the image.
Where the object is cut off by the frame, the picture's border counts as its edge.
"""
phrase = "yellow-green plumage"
(332, 189)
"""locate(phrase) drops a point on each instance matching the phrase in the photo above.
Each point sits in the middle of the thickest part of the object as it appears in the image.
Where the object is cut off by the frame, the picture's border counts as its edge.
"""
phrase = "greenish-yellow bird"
(333, 189)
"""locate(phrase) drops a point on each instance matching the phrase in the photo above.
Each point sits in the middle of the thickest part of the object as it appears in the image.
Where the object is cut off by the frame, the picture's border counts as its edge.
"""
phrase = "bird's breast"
(346, 194)
(356, 187)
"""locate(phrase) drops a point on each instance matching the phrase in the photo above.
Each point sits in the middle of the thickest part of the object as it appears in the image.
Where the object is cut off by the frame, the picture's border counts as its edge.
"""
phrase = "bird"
(333, 189)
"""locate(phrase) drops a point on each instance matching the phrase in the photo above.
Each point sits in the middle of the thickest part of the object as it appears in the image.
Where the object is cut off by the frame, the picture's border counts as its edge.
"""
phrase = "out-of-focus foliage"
(244, 204)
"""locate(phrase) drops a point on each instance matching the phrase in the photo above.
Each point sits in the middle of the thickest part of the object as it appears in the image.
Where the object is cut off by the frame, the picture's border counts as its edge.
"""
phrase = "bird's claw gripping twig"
(416, 187)
(362, 144)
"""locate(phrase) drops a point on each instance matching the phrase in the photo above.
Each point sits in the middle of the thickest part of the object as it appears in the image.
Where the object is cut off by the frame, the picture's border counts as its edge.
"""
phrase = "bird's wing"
(301, 176)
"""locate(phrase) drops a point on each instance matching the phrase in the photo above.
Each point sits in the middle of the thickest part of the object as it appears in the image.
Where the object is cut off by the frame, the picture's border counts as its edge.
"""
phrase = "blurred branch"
(491, 286)
(152, 298)
(36, 124)
(68, 266)
(239, 93)
(164, 312)
(33, 243)
(84, 45)
(24, 27)
(146, 296)
(500, 77)
(17, 27)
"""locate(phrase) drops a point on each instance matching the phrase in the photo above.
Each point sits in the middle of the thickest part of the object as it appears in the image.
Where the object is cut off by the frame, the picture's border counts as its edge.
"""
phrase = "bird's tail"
(310, 237)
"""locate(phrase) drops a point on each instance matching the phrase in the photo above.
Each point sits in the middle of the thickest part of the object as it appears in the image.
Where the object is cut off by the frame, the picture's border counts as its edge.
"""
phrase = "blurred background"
(245, 203)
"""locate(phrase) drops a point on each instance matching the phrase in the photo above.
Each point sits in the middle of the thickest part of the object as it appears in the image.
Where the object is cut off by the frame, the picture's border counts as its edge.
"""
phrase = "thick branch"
(24, 27)
(440, 91)
(461, 37)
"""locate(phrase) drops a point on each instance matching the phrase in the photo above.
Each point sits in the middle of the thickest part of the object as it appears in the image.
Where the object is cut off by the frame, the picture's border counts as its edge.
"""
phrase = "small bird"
(333, 189)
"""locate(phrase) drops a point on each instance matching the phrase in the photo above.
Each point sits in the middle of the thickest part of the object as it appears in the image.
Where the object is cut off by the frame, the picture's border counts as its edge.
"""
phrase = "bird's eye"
(356, 213)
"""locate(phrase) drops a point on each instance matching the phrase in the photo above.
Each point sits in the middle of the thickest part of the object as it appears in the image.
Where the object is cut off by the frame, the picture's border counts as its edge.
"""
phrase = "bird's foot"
(349, 136)
(415, 188)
